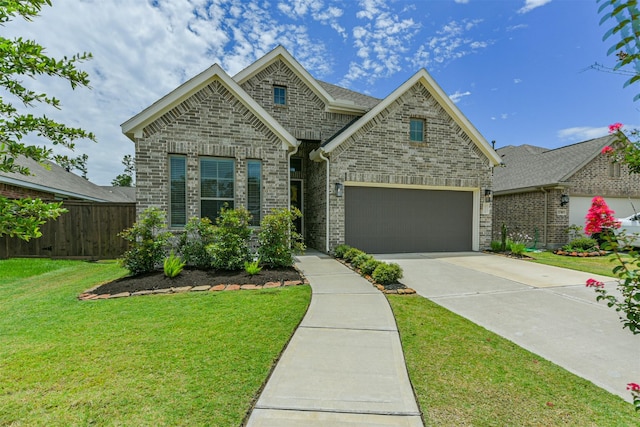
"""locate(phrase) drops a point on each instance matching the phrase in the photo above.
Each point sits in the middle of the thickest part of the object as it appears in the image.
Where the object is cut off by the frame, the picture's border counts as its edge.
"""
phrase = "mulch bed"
(580, 254)
(191, 277)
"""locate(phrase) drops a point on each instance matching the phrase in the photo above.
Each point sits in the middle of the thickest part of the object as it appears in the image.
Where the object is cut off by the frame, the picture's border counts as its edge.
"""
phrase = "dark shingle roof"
(528, 166)
(361, 100)
(60, 182)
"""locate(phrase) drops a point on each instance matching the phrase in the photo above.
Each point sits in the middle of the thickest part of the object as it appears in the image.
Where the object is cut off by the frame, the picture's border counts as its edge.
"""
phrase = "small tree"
(230, 248)
(148, 242)
(126, 179)
(278, 238)
(601, 222)
(21, 58)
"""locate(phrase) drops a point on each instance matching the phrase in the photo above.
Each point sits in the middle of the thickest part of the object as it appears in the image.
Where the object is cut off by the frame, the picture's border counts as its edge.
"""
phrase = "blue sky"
(520, 70)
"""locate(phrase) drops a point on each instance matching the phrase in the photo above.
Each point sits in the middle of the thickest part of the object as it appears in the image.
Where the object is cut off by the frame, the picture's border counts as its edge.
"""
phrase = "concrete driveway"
(547, 310)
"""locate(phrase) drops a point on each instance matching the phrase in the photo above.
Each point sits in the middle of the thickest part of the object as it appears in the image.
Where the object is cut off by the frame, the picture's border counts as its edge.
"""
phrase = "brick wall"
(595, 179)
(14, 192)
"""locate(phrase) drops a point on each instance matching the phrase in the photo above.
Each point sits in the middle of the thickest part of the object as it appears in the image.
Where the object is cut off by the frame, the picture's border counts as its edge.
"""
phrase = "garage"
(393, 220)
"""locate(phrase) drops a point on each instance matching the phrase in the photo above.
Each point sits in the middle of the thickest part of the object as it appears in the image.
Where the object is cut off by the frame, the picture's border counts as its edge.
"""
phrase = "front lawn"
(465, 375)
(602, 265)
(185, 359)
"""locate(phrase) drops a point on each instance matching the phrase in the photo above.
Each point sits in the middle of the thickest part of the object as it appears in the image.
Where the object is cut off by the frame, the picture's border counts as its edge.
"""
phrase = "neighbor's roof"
(527, 166)
(58, 181)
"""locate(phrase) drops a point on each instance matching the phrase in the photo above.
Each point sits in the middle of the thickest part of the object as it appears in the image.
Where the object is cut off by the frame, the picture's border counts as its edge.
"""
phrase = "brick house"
(541, 191)
(402, 174)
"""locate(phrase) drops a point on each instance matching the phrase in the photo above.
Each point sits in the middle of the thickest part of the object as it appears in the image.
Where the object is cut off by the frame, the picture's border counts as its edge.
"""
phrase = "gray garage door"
(390, 220)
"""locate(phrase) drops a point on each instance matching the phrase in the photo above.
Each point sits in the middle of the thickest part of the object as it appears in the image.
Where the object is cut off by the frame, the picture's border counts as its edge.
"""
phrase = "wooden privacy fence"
(88, 231)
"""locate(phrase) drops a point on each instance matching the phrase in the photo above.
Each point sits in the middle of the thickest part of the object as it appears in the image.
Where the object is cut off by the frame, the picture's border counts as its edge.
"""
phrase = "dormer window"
(280, 95)
(416, 130)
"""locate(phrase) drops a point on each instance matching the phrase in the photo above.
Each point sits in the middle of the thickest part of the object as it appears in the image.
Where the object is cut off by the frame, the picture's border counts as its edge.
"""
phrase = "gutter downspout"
(321, 155)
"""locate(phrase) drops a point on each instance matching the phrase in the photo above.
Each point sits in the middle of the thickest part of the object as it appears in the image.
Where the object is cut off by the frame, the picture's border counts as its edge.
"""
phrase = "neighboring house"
(55, 183)
(402, 174)
(542, 192)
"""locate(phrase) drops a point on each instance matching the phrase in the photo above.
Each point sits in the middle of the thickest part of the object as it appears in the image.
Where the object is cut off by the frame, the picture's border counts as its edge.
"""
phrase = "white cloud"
(529, 5)
(461, 1)
(516, 81)
(457, 96)
(380, 41)
(582, 133)
(516, 27)
(450, 42)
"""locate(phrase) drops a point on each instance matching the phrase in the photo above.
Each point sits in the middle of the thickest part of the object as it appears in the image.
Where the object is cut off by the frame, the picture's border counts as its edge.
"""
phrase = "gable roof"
(134, 127)
(335, 100)
(527, 166)
(443, 100)
(58, 181)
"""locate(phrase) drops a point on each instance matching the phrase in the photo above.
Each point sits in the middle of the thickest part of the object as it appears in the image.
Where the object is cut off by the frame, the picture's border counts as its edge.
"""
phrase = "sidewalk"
(344, 365)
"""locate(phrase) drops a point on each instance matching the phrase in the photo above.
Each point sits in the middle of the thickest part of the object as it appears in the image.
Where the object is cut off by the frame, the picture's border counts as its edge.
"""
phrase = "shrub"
(350, 254)
(252, 268)
(340, 250)
(359, 260)
(230, 248)
(173, 265)
(147, 242)
(387, 273)
(369, 266)
(198, 234)
(278, 239)
(584, 244)
(496, 246)
(517, 248)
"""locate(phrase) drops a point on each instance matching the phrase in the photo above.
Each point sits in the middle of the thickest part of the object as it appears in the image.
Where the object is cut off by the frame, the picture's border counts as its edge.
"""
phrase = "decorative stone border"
(381, 288)
(88, 295)
(580, 254)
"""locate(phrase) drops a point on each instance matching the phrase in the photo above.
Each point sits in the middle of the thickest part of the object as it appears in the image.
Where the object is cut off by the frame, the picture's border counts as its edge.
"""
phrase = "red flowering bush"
(635, 392)
(600, 218)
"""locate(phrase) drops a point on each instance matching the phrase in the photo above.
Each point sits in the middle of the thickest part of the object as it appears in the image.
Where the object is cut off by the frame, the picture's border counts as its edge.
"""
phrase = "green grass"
(185, 359)
(602, 265)
(464, 375)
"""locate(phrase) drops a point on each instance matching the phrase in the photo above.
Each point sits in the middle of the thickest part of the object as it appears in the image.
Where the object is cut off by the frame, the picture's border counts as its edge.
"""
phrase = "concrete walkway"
(344, 365)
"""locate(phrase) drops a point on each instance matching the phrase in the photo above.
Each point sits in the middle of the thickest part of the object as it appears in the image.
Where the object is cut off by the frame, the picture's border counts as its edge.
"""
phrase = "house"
(54, 182)
(403, 174)
(541, 192)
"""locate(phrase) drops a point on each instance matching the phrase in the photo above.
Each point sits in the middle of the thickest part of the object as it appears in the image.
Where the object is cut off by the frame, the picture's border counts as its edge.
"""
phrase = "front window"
(416, 130)
(254, 193)
(280, 95)
(216, 186)
(178, 191)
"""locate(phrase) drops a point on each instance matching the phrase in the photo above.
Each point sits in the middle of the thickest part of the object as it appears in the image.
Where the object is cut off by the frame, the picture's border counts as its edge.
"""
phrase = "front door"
(296, 202)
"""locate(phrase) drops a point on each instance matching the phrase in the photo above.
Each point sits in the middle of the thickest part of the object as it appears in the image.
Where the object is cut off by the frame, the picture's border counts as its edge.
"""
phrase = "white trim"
(445, 102)
(134, 126)
(408, 186)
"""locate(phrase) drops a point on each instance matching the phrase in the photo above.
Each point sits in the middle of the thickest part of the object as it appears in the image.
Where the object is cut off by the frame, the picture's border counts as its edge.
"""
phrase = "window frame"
(172, 203)
(414, 133)
(217, 199)
(279, 96)
(256, 211)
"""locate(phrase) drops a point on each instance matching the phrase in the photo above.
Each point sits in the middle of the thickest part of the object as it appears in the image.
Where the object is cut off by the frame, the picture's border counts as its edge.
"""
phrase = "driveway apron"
(344, 365)
(546, 310)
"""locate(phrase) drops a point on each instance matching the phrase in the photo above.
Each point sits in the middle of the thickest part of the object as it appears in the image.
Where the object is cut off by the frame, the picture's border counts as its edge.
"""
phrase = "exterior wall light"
(564, 200)
(339, 189)
(487, 195)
